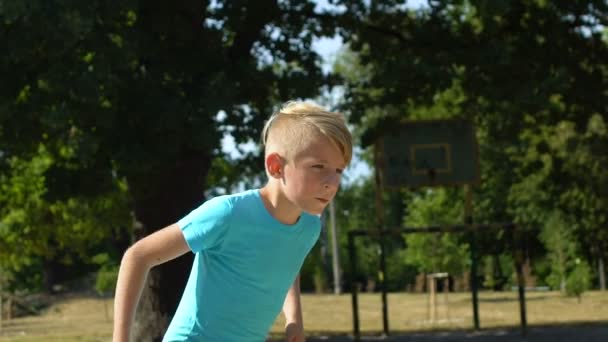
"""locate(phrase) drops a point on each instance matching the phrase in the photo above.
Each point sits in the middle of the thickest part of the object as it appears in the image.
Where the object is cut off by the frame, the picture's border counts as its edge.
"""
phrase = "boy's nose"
(332, 181)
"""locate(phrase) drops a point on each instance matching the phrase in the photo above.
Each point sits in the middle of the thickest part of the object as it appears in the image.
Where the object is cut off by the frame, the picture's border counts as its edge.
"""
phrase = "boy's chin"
(315, 211)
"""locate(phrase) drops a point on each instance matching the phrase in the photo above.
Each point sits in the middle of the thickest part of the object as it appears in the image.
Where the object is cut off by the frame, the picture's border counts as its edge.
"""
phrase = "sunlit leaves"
(34, 228)
(437, 252)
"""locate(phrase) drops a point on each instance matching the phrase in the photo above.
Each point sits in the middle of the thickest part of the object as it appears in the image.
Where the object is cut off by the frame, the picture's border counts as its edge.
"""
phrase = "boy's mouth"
(322, 200)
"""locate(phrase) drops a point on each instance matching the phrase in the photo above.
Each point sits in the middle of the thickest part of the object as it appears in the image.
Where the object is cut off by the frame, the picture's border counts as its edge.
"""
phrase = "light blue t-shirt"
(245, 261)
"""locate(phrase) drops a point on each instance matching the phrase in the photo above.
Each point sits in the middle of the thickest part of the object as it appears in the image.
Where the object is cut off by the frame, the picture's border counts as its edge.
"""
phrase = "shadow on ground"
(566, 333)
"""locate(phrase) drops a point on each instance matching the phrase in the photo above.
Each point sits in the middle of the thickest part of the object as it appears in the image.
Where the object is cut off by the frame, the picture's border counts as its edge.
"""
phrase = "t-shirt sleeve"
(205, 226)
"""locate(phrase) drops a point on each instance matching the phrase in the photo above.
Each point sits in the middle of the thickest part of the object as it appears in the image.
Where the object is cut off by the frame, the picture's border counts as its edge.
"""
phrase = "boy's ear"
(274, 165)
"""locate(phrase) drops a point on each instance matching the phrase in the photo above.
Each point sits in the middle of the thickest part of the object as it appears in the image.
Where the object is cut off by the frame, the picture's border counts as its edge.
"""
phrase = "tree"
(436, 252)
(570, 180)
(578, 280)
(522, 68)
(135, 88)
(40, 235)
(561, 249)
(356, 210)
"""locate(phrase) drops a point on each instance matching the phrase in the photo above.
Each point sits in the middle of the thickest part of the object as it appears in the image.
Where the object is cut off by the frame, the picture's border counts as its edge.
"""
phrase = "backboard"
(428, 153)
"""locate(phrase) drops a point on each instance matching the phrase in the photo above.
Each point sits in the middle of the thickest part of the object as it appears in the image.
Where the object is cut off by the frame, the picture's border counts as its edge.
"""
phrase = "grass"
(83, 319)
(409, 312)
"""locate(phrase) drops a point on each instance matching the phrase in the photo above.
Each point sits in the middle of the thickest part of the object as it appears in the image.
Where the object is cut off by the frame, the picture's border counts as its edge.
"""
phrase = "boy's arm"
(292, 309)
(157, 248)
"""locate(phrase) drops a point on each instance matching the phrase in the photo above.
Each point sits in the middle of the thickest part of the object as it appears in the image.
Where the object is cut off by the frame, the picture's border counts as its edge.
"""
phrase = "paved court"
(593, 333)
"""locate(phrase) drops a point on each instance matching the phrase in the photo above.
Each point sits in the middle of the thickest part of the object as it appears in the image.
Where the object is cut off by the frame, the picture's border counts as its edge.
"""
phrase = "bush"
(107, 275)
(106, 280)
(579, 279)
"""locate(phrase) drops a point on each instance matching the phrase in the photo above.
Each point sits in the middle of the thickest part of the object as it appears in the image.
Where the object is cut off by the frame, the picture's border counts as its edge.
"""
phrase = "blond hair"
(296, 123)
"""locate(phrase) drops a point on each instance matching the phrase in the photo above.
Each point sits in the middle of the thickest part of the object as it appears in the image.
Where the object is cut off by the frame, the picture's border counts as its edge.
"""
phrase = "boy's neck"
(278, 205)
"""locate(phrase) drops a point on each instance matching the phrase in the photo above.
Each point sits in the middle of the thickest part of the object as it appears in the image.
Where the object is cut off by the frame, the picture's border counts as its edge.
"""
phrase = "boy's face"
(313, 177)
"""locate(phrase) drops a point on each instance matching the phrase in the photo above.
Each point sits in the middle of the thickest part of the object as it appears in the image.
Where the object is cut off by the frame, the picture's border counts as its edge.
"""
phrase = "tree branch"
(388, 32)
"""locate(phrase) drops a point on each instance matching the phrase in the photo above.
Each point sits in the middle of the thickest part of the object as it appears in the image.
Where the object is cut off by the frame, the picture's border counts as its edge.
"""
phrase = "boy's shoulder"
(230, 203)
(224, 204)
(236, 198)
(249, 203)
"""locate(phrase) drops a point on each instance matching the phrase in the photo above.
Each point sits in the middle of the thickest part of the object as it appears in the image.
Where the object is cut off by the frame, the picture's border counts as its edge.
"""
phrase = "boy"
(249, 246)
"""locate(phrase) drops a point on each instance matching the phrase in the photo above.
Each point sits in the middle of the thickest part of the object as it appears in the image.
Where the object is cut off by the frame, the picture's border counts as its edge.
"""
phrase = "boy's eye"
(318, 166)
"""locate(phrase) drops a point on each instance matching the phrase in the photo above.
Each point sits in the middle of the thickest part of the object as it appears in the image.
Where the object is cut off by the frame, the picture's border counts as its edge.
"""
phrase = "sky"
(328, 48)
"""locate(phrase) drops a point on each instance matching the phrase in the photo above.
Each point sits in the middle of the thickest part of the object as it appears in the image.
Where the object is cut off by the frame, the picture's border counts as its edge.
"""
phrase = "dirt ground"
(585, 333)
(552, 318)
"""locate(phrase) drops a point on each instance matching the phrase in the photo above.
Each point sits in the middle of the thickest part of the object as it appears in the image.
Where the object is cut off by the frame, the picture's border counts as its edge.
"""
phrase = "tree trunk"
(161, 197)
(602, 273)
(51, 275)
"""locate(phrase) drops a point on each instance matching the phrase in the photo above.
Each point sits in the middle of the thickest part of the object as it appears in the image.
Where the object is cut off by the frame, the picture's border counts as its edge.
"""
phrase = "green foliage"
(497, 271)
(441, 252)
(137, 93)
(401, 273)
(121, 76)
(35, 229)
(562, 188)
(313, 274)
(542, 136)
(579, 280)
(356, 210)
(321, 283)
(107, 276)
(557, 237)
(104, 94)
(569, 273)
(106, 280)
(434, 207)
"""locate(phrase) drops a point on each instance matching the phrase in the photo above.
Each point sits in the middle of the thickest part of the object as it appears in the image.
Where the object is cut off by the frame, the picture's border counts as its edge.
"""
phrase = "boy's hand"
(294, 332)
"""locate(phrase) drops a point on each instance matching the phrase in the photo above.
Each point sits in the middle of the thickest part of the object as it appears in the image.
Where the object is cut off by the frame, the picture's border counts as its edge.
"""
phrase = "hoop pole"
(446, 290)
(519, 261)
(468, 218)
(353, 285)
(1, 308)
(378, 151)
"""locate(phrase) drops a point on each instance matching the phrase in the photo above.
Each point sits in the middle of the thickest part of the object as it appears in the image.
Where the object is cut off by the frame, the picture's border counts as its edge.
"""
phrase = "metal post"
(353, 285)
(446, 290)
(378, 150)
(1, 298)
(601, 271)
(519, 260)
(334, 249)
(383, 284)
(468, 218)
